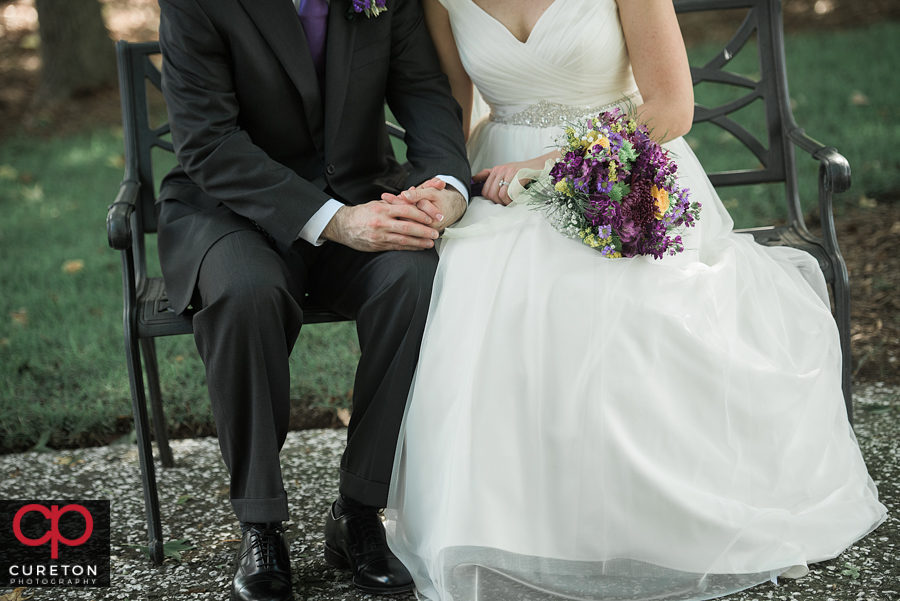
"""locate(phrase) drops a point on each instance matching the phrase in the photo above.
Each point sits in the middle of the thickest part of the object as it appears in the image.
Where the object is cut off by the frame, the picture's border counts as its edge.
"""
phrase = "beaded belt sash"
(552, 114)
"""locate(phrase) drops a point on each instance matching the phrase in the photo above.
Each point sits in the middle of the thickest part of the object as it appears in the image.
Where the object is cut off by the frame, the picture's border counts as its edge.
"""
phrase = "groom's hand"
(378, 226)
(443, 203)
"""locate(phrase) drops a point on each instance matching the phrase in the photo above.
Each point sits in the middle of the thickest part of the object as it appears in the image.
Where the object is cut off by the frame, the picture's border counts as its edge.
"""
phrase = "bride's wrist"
(538, 162)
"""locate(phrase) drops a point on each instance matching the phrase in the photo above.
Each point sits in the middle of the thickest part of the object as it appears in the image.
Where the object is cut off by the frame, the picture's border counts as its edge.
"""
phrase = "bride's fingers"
(491, 189)
(425, 199)
(504, 195)
(427, 207)
(481, 176)
(394, 199)
(434, 182)
(503, 191)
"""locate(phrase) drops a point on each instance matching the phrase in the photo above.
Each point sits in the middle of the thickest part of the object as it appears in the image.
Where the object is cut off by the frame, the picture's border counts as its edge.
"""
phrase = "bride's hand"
(443, 203)
(497, 179)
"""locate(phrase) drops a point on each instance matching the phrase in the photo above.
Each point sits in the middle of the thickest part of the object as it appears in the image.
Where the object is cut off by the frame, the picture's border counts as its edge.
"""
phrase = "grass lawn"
(842, 93)
(62, 369)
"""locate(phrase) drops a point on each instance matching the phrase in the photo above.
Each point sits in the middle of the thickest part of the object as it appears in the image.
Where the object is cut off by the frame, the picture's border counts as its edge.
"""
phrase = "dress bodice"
(556, 64)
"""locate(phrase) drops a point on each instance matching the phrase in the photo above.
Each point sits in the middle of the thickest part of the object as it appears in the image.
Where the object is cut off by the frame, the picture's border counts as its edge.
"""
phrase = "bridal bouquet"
(615, 189)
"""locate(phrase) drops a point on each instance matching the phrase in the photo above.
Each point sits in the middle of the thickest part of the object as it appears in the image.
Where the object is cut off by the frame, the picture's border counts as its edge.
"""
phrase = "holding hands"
(410, 221)
(443, 204)
(378, 226)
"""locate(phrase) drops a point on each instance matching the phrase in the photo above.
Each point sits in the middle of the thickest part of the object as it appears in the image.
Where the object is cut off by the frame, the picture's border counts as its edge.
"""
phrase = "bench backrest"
(776, 153)
(136, 70)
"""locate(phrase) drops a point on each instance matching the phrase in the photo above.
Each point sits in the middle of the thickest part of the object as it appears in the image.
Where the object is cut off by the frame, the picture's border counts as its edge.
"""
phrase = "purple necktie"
(314, 18)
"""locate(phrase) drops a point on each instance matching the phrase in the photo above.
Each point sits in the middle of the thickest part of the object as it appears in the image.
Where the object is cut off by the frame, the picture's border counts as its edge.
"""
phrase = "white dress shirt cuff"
(452, 181)
(313, 229)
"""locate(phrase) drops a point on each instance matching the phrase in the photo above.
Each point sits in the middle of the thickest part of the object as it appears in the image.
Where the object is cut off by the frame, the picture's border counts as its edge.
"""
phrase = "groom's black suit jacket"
(257, 144)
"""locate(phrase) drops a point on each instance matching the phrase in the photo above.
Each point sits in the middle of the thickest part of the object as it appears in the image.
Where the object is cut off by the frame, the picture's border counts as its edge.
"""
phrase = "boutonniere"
(371, 8)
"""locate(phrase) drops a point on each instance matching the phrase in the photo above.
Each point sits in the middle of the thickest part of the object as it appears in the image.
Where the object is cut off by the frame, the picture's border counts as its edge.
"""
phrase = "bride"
(592, 428)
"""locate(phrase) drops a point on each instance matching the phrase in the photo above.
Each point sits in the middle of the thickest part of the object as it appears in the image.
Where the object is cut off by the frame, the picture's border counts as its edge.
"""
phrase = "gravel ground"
(195, 506)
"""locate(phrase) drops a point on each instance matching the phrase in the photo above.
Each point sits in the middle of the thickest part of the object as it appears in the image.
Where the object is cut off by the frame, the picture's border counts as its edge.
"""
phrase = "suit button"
(329, 169)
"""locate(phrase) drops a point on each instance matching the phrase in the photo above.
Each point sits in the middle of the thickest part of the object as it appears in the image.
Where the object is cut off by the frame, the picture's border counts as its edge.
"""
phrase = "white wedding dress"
(591, 428)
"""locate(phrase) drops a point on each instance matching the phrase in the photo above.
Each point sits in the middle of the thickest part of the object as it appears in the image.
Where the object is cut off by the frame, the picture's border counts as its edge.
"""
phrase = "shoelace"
(264, 545)
(372, 530)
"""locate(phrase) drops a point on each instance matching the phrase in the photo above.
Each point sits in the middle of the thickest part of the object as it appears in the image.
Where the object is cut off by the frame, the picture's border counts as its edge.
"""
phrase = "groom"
(277, 119)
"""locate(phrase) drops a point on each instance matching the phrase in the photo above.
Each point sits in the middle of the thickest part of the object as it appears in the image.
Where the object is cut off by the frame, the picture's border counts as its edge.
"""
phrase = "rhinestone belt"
(552, 114)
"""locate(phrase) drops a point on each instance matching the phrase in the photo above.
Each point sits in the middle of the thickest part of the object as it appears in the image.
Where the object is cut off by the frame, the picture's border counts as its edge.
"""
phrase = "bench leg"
(842, 317)
(148, 349)
(145, 451)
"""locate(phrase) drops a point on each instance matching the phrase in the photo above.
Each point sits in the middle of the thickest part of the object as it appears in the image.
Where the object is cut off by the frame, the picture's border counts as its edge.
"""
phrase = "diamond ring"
(503, 182)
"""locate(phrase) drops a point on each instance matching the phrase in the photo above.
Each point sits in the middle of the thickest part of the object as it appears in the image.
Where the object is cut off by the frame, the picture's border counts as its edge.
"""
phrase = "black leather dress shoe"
(263, 567)
(355, 540)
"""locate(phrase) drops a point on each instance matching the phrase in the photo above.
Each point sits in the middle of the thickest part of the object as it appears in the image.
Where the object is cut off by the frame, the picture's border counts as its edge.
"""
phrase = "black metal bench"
(133, 215)
(777, 156)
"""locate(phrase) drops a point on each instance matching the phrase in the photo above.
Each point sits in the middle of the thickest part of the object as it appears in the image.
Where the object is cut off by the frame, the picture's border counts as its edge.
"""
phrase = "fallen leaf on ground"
(20, 317)
(866, 202)
(73, 266)
(859, 99)
(17, 595)
(34, 193)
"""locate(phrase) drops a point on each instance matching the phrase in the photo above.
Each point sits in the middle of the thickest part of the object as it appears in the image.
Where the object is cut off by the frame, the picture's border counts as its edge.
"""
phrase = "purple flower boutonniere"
(371, 8)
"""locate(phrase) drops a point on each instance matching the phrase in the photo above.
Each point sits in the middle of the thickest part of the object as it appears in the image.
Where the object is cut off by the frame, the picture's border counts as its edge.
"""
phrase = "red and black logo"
(54, 543)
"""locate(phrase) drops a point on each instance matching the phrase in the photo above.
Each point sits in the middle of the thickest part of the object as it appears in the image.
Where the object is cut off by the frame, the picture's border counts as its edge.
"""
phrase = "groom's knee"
(242, 278)
(413, 276)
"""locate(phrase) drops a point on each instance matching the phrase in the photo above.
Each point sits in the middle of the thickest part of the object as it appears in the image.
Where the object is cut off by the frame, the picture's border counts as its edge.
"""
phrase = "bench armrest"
(834, 167)
(118, 216)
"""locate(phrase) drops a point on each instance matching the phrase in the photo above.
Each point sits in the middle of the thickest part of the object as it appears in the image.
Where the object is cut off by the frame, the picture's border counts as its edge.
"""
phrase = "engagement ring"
(503, 182)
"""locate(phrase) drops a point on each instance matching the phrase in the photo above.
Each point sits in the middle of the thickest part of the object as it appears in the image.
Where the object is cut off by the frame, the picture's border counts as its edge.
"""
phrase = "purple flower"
(372, 8)
(633, 222)
(638, 205)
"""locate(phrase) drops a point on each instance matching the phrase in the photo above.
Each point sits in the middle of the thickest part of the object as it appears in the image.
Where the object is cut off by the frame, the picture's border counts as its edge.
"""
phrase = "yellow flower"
(612, 171)
(564, 187)
(602, 141)
(592, 241)
(662, 200)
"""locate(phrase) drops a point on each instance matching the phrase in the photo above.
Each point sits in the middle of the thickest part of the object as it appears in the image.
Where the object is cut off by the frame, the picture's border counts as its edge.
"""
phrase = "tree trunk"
(77, 54)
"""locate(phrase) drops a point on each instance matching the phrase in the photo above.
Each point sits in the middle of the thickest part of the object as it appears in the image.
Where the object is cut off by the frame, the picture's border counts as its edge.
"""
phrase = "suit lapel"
(281, 27)
(339, 52)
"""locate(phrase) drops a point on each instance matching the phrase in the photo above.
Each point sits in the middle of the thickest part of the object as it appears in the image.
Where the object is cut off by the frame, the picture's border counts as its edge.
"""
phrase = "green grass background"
(62, 369)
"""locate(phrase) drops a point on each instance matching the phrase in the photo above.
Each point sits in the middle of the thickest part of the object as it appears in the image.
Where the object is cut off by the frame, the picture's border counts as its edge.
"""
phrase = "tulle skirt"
(591, 428)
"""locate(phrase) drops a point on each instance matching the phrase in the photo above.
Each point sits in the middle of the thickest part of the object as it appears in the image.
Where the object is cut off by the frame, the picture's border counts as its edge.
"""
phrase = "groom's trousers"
(249, 318)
